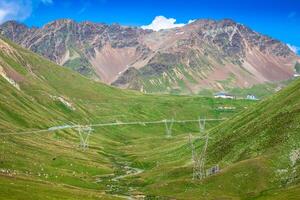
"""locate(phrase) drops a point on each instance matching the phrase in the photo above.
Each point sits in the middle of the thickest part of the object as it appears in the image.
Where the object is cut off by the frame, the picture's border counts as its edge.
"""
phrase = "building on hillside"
(224, 95)
(296, 75)
(251, 97)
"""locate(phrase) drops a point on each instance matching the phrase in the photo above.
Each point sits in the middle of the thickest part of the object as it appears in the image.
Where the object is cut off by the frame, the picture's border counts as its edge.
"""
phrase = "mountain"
(36, 94)
(206, 54)
(257, 148)
(95, 50)
(211, 54)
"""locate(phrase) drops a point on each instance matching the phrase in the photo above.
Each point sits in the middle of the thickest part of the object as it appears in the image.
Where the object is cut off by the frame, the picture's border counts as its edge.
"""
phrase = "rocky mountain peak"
(58, 23)
(204, 54)
(228, 22)
(13, 23)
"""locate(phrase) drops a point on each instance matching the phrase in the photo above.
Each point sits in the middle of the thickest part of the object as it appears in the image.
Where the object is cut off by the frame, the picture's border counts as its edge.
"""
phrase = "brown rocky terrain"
(205, 54)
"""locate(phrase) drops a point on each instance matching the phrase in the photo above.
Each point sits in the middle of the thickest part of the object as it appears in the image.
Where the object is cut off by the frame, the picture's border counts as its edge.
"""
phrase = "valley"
(53, 163)
(141, 145)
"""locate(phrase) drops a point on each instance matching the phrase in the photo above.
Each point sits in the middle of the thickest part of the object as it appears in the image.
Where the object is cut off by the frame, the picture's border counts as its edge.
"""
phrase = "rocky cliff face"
(204, 54)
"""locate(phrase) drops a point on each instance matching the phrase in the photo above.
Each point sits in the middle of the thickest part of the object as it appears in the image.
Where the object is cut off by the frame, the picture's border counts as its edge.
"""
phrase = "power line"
(25, 132)
(64, 127)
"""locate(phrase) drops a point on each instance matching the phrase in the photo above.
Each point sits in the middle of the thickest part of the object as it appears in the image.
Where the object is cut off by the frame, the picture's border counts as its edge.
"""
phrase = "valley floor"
(257, 148)
(124, 162)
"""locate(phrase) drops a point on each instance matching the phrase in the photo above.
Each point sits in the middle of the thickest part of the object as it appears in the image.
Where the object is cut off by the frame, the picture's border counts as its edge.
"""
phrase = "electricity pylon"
(202, 125)
(84, 133)
(194, 155)
(169, 128)
(199, 158)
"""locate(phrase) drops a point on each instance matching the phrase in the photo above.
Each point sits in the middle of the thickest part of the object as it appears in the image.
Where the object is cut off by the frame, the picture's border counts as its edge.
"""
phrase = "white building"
(296, 75)
(251, 97)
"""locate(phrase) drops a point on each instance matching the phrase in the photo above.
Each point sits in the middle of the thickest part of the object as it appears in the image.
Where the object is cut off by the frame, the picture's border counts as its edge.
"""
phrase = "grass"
(250, 147)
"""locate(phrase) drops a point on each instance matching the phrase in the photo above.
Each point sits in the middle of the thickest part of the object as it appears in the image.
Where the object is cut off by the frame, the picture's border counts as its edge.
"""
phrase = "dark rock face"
(154, 69)
(129, 75)
(160, 63)
(121, 37)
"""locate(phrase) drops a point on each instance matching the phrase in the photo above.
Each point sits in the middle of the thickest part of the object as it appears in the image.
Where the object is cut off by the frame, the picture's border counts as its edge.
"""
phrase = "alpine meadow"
(205, 109)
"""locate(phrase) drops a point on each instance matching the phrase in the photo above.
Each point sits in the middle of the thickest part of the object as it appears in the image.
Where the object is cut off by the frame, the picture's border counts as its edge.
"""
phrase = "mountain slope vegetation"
(258, 151)
(37, 94)
(257, 148)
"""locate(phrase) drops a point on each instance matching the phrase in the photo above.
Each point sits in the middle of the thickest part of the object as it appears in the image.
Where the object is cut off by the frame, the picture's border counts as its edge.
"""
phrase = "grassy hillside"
(257, 149)
(37, 94)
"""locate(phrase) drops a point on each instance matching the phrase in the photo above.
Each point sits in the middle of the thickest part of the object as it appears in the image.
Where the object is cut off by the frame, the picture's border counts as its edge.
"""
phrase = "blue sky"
(277, 18)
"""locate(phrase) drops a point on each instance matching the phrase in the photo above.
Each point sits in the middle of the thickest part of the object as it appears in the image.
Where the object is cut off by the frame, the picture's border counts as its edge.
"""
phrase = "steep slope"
(206, 54)
(270, 134)
(38, 94)
(258, 152)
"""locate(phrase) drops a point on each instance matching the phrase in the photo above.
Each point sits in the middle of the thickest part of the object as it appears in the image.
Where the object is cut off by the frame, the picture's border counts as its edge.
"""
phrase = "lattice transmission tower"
(199, 158)
(169, 127)
(84, 133)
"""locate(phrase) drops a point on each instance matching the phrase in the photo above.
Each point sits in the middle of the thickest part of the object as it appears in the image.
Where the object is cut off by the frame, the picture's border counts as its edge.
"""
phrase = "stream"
(115, 184)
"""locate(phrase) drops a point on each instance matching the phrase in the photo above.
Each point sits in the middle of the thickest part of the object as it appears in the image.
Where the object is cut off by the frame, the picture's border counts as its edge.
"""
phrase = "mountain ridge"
(257, 150)
(205, 54)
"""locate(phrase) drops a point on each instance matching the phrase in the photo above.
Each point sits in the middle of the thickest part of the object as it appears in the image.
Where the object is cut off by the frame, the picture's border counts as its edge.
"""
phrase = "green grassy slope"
(257, 149)
(51, 165)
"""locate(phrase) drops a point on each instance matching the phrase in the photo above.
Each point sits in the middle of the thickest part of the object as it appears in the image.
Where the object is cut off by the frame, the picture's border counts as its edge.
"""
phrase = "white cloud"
(161, 22)
(191, 21)
(18, 9)
(295, 49)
